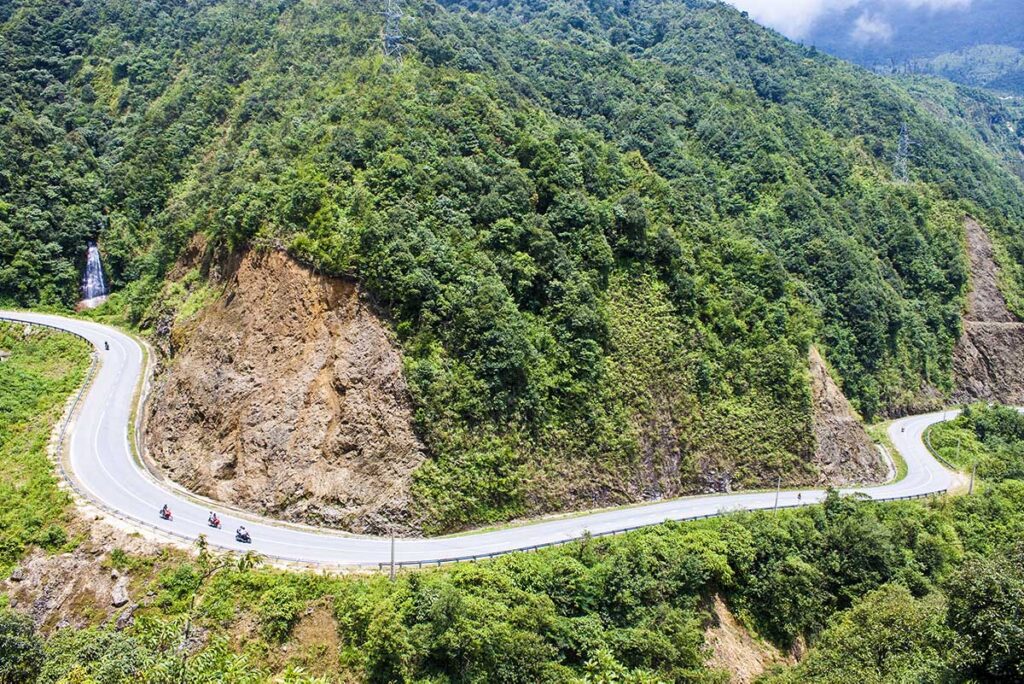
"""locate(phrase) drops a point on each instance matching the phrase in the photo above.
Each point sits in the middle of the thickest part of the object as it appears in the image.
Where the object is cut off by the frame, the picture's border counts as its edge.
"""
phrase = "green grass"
(990, 438)
(956, 443)
(35, 382)
(879, 433)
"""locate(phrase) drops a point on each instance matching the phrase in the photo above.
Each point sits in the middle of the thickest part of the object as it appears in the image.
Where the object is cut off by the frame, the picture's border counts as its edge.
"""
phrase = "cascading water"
(94, 289)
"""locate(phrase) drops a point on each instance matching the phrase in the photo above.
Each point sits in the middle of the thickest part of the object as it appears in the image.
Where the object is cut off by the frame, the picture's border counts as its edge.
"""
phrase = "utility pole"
(392, 554)
(778, 489)
(974, 470)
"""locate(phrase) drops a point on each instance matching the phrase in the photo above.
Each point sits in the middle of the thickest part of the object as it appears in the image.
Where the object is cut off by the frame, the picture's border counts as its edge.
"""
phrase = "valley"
(509, 340)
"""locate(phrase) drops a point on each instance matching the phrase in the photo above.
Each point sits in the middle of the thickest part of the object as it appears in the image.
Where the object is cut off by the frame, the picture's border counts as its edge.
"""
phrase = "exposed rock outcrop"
(844, 454)
(76, 588)
(988, 360)
(985, 302)
(286, 396)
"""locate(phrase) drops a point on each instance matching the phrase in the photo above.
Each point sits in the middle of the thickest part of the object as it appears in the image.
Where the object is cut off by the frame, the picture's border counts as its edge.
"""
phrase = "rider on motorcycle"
(213, 519)
(242, 533)
(165, 512)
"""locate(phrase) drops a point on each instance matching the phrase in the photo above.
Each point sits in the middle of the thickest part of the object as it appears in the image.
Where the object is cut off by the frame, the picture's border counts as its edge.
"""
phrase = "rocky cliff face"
(286, 396)
(989, 358)
(844, 454)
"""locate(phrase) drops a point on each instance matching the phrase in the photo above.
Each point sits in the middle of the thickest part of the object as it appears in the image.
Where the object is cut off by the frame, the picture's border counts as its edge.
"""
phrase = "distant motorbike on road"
(106, 345)
(242, 535)
(166, 514)
(213, 520)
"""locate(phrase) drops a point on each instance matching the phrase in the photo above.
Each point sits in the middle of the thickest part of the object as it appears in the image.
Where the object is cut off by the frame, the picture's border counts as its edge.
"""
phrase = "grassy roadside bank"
(43, 369)
(632, 609)
(988, 439)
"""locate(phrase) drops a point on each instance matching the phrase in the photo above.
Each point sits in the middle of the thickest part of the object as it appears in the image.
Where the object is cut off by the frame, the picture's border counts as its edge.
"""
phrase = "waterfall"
(94, 289)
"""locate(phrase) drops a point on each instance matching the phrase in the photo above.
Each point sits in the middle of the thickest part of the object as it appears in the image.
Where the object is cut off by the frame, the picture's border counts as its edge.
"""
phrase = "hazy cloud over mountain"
(796, 18)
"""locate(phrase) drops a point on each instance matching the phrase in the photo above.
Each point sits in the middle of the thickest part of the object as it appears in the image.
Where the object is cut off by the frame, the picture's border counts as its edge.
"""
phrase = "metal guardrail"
(611, 533)
(380, 565)
(933, 451)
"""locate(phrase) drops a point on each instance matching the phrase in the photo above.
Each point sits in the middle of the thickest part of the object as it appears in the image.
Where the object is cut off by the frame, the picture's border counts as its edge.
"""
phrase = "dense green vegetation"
(530, 186)
(883, 593)
(998, 67)
(36, 381)
(989, 438)
(909, 591)
(992, 120)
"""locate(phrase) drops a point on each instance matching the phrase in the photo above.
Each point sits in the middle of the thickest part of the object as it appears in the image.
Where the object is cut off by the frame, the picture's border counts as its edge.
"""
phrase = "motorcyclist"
(242, 533)
(213, 519)
(165, 512)
(106, 345)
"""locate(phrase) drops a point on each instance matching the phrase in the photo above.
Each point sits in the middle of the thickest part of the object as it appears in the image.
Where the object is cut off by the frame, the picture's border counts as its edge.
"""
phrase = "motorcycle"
(243, 537)
(213, 521)
(166, 514)
(106, 346)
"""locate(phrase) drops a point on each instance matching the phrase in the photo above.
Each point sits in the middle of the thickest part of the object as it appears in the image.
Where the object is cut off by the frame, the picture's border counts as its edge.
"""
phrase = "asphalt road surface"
(102, 467)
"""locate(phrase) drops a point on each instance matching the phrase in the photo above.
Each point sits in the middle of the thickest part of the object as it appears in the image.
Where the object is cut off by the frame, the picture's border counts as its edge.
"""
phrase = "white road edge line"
(104, 471)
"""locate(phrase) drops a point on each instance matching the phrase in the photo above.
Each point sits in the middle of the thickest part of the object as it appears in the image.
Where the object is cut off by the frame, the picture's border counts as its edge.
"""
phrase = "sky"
(796, 18)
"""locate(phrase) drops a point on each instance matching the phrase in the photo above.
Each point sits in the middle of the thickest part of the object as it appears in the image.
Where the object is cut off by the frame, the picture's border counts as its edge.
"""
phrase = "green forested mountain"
(533, 184)
(995, 121)
(998, 67)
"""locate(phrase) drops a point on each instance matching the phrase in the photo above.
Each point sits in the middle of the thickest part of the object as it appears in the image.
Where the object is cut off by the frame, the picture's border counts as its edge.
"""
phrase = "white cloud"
(871, 28)
(936, 4)
(792, 17)
(795, 18)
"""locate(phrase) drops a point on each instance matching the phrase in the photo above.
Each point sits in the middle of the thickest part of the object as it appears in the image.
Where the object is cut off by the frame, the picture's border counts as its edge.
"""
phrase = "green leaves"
(21, 651)
(986, 608)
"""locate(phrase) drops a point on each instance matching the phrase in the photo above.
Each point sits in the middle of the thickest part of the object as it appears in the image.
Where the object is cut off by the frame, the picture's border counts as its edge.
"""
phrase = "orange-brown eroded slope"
(286, 397)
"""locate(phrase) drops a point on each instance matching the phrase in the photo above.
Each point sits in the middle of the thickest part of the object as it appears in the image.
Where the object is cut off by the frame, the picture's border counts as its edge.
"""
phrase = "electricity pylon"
(391, 36)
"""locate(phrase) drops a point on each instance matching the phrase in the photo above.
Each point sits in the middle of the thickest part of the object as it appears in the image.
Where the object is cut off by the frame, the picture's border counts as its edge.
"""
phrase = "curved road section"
(103, 468)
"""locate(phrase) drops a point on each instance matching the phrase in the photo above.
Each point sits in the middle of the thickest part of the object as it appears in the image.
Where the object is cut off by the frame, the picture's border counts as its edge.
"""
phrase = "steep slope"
(989, 357)
(997, 67)
(993, 121)
(603, 235)
(844, 453)
(286, 396)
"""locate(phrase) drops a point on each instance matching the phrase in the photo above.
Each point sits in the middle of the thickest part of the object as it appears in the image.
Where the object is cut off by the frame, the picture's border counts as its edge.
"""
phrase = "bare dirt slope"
(844, 453)
(734, 650)
(988, 360)
(286, 396)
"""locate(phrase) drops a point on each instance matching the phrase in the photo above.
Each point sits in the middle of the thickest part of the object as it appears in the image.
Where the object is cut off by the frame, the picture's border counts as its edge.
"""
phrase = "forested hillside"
(995, 121)
(997, 67)
(605, 234)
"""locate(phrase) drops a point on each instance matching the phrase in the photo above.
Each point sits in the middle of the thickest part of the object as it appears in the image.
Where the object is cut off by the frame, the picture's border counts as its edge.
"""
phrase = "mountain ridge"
(533, 182)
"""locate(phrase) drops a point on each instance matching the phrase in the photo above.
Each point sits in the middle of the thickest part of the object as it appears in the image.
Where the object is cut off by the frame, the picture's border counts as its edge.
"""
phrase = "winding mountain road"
(101, 465)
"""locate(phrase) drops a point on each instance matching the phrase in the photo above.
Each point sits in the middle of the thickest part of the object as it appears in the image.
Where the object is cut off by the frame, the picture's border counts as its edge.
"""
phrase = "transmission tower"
(391, 36)
(901, 169)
